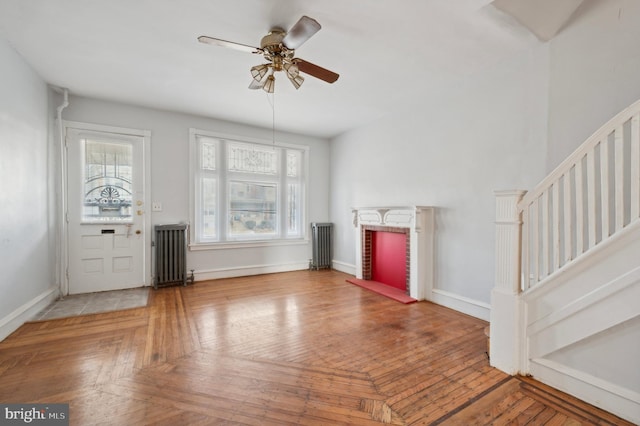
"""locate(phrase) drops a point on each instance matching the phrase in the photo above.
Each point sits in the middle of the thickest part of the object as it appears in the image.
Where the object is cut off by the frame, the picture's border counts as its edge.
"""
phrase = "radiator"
(321, 245)
(171, 255)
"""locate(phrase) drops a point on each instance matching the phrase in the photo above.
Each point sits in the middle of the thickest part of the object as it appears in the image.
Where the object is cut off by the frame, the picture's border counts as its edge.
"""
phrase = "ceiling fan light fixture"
(259, 84)
(256, 84)
(270, 84)
(259, 71)
(292, 70)
(296, 81)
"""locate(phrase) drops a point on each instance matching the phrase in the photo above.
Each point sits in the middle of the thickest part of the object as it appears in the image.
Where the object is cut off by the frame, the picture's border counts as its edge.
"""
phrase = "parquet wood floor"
(293, 348)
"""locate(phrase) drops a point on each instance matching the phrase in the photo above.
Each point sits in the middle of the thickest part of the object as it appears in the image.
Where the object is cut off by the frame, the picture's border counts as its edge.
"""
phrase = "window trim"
(194, 166)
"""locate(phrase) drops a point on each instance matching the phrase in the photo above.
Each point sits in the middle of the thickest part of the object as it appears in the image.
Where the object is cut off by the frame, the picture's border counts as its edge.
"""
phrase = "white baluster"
(635, 166)
(579, 209)
(619, 169)
(604, 186)
(566, 207)
(555, 193)
(591, 199)
(544, 240)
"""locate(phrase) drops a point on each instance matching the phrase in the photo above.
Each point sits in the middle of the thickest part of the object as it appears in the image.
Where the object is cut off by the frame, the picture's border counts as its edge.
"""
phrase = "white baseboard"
(462, 304)
(26, 312)
(243, 271)
(608, 396)
(347, 268)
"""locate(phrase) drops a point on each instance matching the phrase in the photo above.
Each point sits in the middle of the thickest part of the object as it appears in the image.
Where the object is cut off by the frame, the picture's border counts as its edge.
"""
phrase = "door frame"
(146, 185)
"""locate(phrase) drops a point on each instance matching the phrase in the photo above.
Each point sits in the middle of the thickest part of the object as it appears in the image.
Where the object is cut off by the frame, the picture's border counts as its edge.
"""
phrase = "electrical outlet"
(156, 206)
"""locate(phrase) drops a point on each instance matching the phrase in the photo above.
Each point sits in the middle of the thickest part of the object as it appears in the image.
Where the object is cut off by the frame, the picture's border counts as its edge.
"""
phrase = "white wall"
(594, 69)
(449, 152)
(590, 356)
(26, 266)
(170, 179)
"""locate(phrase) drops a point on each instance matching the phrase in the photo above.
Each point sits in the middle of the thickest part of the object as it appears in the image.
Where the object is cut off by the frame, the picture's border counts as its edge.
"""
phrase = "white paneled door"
(106, 210)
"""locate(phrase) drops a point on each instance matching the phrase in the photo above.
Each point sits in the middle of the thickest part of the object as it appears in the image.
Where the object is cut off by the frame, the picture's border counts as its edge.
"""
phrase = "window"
(107, 176)
(246, 190)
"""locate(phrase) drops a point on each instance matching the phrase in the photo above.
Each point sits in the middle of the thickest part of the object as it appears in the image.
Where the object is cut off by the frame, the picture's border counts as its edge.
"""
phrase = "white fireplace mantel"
(420, 221)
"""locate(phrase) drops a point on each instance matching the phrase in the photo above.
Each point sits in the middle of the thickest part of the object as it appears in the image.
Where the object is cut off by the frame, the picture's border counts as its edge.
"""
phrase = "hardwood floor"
(293, 348)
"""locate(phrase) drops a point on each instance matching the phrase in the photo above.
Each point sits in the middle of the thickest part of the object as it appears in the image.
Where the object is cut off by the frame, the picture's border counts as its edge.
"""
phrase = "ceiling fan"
(278, 48)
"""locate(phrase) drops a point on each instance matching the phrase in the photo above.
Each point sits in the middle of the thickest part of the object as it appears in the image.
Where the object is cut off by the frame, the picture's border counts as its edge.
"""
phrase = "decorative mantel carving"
(419, 223)
(389, 216)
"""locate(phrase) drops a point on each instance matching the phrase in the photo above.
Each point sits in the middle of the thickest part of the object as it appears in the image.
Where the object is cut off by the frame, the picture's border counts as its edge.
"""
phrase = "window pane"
(107, 181)
(208, 155)
(293, 210)
(252, 209)
(208, 198)
(252, 159)
(293, 163)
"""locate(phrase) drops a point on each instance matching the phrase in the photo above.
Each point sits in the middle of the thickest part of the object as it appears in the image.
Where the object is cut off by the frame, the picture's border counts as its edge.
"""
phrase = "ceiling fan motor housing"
(273, 40)
(274, 50)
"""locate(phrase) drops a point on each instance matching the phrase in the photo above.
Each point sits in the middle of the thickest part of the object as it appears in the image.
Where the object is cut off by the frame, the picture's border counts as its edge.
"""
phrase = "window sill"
(246, 244)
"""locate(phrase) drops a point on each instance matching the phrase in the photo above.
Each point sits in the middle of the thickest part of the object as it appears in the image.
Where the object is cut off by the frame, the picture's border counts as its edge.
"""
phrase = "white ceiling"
(389, 55)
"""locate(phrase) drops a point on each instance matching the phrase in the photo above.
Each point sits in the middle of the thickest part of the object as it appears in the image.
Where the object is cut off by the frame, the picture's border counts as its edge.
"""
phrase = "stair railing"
(592, 195)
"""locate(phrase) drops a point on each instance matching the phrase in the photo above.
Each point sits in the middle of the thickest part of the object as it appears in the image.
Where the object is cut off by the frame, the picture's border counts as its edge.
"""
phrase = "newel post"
(506, 312)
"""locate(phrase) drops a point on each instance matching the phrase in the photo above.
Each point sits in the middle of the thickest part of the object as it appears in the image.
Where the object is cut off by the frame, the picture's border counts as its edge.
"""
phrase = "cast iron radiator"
(321, 245)
(171, 255)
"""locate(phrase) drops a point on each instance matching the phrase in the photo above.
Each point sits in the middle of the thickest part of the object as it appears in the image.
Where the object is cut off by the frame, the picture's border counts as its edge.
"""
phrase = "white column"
(506, 312)
(356, 224)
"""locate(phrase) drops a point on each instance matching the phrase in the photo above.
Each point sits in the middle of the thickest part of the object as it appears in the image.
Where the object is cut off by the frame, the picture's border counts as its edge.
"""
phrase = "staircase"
(567, 295)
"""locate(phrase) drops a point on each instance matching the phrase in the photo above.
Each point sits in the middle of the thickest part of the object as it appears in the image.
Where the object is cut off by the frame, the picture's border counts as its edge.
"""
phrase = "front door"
(106, 209)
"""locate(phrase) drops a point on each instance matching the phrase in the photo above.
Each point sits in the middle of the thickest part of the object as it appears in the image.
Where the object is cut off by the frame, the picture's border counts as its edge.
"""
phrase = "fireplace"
(396, 235)
(385, 254)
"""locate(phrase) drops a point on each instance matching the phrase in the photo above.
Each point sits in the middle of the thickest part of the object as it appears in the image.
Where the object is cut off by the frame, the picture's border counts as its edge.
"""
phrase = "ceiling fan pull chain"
(273, 118)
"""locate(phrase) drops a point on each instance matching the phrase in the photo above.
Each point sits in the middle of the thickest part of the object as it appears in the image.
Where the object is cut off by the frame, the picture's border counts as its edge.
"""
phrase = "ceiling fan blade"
(229, 44)
(316, 71)
(301, 32)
